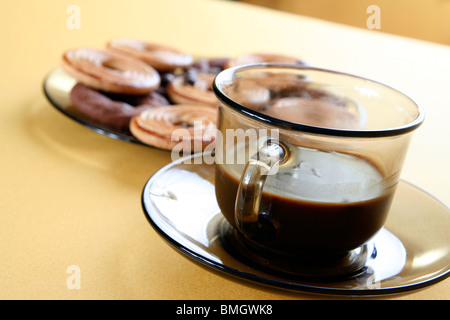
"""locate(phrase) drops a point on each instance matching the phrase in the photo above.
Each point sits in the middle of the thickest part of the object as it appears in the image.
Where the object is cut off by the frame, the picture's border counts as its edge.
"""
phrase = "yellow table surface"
(71, 196)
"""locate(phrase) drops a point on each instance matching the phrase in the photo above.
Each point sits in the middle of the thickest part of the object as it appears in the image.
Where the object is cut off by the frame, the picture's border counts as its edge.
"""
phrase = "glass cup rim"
(227, 74)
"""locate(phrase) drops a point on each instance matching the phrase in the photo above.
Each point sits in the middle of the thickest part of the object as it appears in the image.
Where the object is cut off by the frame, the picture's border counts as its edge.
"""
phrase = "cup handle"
(248, 217)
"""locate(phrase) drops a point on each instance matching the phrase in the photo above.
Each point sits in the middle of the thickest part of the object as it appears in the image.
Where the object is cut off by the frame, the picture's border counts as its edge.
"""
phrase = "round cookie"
(110, 72)
(254, 58)
(162, 58)
(105, 109)
(189, 127)
(192, 88)
(314, 112)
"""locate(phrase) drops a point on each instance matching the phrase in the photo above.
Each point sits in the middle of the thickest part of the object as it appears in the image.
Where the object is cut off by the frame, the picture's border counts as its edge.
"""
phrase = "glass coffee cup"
(307, 162)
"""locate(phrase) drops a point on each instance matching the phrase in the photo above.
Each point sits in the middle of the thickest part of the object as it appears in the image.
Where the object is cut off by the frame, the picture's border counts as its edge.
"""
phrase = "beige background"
(421, 19)
(72, 197)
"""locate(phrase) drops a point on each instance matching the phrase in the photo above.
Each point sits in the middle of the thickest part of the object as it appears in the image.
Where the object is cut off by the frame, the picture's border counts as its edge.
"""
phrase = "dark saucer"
(412, 250)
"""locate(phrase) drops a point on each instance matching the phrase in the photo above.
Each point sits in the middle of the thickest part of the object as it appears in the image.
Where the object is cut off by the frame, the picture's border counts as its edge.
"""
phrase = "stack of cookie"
(151, 90)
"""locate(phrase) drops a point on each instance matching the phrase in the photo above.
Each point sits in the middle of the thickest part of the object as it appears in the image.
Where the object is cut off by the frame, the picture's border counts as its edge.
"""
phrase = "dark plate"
(57, 86)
